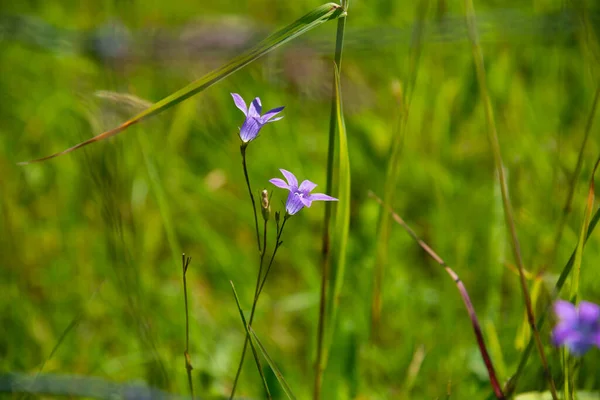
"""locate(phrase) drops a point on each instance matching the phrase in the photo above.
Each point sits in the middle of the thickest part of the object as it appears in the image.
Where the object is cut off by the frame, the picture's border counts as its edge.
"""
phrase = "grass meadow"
(91, 242)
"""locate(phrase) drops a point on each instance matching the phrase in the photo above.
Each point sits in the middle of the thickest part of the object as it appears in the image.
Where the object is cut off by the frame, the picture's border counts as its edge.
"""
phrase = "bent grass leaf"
(342, 218)
(276, 371)
(309, 21)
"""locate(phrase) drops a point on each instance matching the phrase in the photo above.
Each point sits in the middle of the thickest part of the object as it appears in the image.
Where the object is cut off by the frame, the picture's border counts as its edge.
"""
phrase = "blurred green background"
(90, 243)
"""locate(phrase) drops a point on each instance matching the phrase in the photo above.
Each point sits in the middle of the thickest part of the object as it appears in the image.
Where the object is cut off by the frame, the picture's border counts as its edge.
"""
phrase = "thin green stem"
(243, 151)
(185, 262)
(339, 44)
(508, 212)
(575, 176)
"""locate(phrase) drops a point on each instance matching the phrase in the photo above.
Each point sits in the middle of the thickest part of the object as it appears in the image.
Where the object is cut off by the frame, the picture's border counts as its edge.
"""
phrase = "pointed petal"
(305, 200)
(270, 114)
(293, 204)
(565, 311)
(589, 313)
(275, 119)
(306, 187)
(255, 108)
(291, 178)
(280, 183)
(240, 103)
(321, 197)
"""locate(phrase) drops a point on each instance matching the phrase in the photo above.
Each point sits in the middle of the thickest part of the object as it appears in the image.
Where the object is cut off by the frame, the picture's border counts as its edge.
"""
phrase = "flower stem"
(243, 151)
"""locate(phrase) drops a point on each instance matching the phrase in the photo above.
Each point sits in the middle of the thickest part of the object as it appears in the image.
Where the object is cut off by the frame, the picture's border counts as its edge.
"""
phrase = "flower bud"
(265, 206)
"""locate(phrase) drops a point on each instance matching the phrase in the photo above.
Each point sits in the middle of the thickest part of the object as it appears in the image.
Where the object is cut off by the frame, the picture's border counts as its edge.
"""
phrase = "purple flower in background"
(299, 196)
(578, 328)
(254, 121)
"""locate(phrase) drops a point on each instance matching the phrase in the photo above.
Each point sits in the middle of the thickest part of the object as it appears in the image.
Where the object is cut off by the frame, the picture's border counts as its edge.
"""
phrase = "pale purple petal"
(305, 200)
(588, 312)
(291, 178)
(255, 108)
(565, 311)
(597, 339)
(561, 333)
(270, 114)
(280, 183)
(293, 204)
(321, 197)
(249, 130)
(275, 119)
(239, 102)
(307, 186)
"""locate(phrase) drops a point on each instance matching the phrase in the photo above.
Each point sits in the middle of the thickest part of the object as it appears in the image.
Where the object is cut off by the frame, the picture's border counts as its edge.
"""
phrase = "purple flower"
(299, 196)
(254, 121)
(578, 328)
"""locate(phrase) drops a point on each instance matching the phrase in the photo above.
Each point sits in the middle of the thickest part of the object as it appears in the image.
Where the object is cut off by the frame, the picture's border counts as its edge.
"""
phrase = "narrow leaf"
(310, 21)
(280, 378)
(342, 218)
(246, 327)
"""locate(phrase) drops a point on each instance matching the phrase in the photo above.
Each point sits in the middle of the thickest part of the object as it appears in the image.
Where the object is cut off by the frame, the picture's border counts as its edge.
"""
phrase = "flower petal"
(293, 203)
(321, 197)
(589, 313)
(565, 311)
(291, 178)
(275, 119)
(249, 130)
(280, 183)
(306, 187)
(561, 333)
(240, 103)
(255, 108)
(270, 114)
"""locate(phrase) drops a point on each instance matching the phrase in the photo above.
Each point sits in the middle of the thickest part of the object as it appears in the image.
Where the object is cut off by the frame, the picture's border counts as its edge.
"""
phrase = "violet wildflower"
(254, 121)
(299, 196)
(578, 327)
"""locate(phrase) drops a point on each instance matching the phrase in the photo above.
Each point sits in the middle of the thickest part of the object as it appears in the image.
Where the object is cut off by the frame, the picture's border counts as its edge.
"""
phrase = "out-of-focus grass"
(86, 235)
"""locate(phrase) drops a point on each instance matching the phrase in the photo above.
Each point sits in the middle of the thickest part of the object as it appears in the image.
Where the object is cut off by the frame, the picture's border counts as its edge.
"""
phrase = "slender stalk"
(464, 294)
(259, 286)
(325, 249)
(508, 212)
(575, 176)
(243, 151)
(185, 262)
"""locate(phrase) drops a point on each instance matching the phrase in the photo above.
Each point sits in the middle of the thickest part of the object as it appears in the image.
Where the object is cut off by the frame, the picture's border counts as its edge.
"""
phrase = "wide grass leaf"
(309, 21)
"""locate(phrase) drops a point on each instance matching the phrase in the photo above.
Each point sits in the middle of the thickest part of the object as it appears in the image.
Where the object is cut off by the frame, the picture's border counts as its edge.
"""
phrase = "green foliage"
(90, 242)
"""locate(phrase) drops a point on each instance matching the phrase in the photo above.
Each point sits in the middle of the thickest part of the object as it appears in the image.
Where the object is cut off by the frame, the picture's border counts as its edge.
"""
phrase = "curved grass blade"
(511, 385)
(246, 327)
(309, 21)
(499, 166)
(463, 293)
(276, 371)
(393, 167)
(584, 227)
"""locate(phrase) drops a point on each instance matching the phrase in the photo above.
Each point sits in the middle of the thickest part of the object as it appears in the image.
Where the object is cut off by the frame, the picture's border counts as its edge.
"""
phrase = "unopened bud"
(265, 206)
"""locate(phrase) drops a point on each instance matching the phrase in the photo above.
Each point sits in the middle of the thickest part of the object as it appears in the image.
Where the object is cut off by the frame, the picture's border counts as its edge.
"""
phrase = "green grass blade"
(308, 22)
(276, 371)
(246, 327)
(511, 385)
(342, 217)
(584, 227)
(384, 225)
